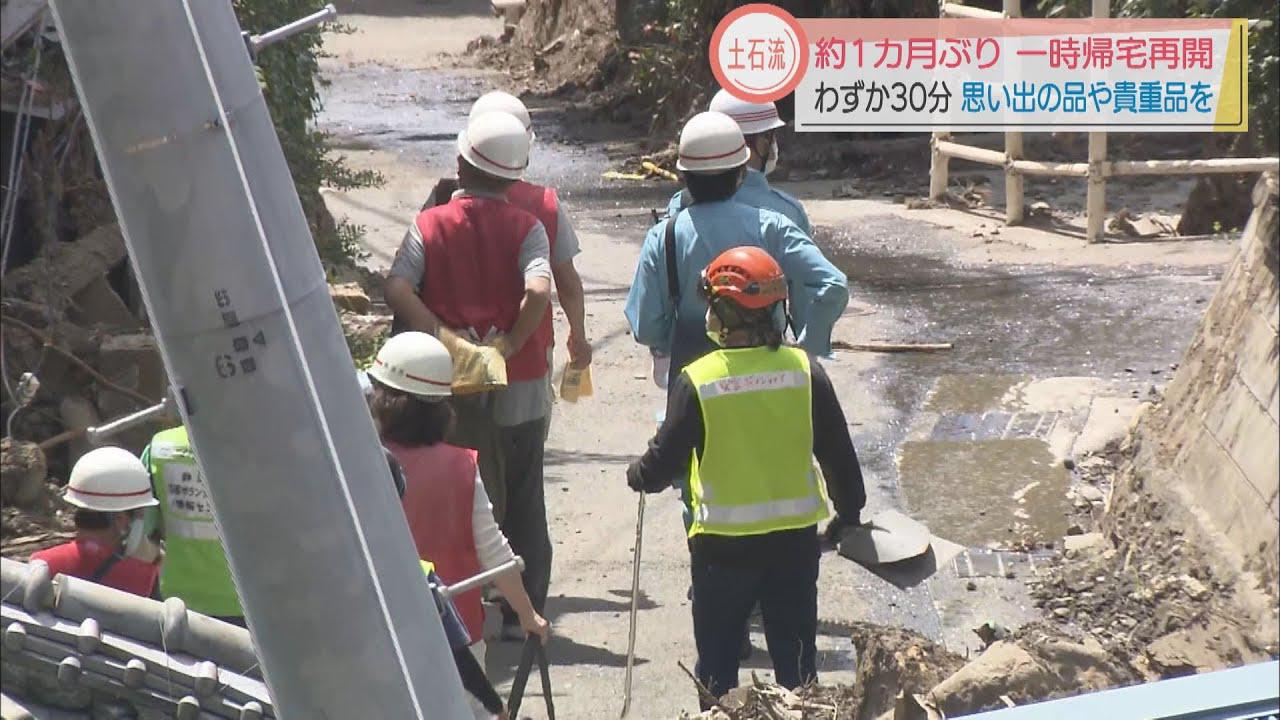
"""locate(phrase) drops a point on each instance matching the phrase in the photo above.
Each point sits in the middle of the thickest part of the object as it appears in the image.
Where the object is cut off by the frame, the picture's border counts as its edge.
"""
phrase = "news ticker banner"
(1023, 74)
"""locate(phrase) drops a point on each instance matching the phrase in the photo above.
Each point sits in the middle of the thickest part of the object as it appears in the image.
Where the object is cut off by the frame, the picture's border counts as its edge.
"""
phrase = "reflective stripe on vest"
(755, 473)
(195, 566)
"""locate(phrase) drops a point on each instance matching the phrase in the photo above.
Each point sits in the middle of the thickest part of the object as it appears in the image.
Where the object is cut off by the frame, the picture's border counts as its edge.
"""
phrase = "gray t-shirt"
(525, 400)
(566, 246)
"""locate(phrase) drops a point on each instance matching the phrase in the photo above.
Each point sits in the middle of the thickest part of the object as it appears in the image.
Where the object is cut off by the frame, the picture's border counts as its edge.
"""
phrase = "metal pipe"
(317, 542)
(102, 432)
(451, 591)
(328, 13)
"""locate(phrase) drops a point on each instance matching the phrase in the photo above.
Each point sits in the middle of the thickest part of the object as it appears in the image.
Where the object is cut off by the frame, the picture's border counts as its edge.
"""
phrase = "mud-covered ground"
(1056, 345)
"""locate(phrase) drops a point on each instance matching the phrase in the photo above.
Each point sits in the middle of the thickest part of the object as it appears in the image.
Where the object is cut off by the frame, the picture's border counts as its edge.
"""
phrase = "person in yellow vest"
(747, 420)
(195, 566)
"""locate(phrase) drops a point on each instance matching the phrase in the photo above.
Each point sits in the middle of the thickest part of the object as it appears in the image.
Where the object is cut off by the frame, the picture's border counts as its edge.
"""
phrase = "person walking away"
(479, 266)
(663, 308)
(109, 489)
(468, 659)
(752, 414)
(195, 566)
(544, 203)
(759, 123)
(445, 502)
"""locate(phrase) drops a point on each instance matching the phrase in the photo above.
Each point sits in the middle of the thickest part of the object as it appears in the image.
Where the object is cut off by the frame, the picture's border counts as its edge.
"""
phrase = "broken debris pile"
(902, 675)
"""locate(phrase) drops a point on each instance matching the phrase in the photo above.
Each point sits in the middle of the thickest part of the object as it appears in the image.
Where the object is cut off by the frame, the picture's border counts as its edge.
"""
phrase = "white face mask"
(771, 162)
(133, 540)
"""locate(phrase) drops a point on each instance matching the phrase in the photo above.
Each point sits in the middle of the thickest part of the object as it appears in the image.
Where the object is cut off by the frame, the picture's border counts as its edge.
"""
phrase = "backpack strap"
(669, 247)
(105, 567)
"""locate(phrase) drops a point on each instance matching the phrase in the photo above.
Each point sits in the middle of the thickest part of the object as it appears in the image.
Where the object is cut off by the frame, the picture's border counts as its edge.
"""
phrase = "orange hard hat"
(748, 276)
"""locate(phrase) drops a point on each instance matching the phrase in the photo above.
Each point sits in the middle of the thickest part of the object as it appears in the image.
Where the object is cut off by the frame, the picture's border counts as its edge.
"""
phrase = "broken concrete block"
(1081, 542)
(77, 413)
(350, 297)
(131, 361)
(98, 303)
(1090, 493)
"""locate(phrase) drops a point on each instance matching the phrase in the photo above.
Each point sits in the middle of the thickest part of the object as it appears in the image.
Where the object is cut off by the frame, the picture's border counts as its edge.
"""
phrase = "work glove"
(476, 368)
(636, 482)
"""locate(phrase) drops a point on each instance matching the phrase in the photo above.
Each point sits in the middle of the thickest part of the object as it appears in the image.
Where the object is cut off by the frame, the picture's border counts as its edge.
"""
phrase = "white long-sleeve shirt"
(492, 548)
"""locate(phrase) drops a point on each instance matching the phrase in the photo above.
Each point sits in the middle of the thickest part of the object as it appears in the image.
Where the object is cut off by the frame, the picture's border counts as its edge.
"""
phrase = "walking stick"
(635, 605)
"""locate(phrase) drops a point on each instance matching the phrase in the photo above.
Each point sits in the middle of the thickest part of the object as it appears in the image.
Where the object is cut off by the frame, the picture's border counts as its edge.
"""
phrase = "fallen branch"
(704, 695)
(62, 437)
(890, 347)
(48, 342)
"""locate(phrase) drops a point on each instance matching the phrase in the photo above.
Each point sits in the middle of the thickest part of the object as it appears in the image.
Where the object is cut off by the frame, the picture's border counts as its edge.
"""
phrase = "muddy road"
(1055, 347)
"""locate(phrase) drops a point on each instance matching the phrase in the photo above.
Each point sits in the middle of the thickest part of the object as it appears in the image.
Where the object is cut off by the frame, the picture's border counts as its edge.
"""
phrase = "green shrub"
(289, 74)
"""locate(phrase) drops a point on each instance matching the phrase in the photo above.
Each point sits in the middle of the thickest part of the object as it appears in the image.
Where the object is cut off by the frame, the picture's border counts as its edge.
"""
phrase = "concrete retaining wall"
(1213, 445)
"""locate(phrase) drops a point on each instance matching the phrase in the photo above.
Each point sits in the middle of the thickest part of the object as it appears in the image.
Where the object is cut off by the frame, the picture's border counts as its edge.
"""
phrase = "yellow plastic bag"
(575, 383)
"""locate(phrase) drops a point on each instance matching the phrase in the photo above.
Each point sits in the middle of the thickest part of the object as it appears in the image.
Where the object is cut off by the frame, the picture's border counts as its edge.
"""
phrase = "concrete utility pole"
(323, 562)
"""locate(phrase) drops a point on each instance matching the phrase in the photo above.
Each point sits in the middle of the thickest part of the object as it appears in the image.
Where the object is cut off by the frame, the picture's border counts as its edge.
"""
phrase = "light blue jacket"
(818, 290)
(757, 192)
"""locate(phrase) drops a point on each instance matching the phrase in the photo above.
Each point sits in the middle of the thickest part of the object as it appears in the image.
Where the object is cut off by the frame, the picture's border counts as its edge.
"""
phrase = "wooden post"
(1096, 196)
(939, 165)
(1014, 197)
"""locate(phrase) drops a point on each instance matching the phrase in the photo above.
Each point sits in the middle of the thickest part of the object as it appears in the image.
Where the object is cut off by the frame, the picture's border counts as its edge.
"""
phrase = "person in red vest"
(110, 488)
(445, 503)
(479, 267)
(545, 204)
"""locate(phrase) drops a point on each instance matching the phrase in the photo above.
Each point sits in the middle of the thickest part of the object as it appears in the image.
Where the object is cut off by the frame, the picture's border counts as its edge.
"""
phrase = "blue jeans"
(723, 597)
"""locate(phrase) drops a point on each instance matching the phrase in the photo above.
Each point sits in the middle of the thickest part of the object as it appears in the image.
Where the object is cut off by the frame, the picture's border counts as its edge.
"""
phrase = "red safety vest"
(439, 494)
(86, 558)
(543, 203)
(472, 279)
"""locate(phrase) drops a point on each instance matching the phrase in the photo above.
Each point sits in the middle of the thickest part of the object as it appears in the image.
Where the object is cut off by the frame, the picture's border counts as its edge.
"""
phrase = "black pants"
(723, 597)
(510, 459)
(525, 520)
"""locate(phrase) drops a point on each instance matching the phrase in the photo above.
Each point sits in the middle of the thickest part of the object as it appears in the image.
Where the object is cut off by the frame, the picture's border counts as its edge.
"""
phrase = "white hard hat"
(711, 142)
(752, 118)
(503, 102)
(416, 363)
(495, 143)
(110, 479)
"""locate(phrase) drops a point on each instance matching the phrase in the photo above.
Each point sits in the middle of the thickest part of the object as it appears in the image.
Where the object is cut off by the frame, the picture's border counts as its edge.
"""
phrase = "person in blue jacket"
(664, 309)
(759, 123)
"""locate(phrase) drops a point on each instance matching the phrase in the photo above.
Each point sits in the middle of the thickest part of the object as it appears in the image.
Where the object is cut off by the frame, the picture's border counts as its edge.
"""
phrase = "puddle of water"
(965, 491)
(969, 393)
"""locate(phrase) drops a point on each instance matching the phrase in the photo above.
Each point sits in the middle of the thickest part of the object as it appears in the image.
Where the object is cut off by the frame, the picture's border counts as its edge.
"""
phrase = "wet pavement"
(973, 458)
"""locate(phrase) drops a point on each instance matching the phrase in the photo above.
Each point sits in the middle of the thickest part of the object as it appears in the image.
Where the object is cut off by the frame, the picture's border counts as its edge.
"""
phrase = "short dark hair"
(471, 177)
(92, 519)
(710, 187)
(408, 419)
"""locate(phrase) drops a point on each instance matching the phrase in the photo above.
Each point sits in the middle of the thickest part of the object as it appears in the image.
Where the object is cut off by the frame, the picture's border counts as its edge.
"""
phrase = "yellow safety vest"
(756, 473)
(195, 566)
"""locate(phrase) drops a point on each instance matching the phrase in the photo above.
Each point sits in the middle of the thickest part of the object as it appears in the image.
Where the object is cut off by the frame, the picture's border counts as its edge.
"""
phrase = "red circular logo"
(759, 53)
